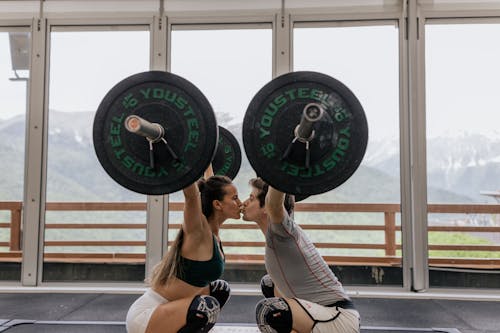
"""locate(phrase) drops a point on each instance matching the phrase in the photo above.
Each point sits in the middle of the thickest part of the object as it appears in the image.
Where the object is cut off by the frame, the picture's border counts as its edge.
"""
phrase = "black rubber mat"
(31, 326)
(377, 315)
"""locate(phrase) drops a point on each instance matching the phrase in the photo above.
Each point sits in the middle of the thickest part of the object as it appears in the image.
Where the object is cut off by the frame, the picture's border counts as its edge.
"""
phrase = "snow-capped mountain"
(464, 164)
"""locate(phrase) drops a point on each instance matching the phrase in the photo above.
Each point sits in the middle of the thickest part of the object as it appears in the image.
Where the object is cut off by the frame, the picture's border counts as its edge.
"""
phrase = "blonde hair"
(168, 267)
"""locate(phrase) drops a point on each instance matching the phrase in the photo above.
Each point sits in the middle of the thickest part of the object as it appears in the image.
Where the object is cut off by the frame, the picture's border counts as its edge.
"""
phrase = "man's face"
(251, 207)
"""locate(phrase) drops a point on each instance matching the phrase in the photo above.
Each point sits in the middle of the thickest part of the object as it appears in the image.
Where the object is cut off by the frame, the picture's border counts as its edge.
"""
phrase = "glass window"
(463, 150)
(80, 228)
(14, 77)
(229, 66)
(365, 59)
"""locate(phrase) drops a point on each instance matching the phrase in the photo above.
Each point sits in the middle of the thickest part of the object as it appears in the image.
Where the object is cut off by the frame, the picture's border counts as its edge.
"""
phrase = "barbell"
(304, 133)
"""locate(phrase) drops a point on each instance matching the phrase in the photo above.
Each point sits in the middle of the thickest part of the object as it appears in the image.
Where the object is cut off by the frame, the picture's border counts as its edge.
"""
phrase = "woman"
(185, 294)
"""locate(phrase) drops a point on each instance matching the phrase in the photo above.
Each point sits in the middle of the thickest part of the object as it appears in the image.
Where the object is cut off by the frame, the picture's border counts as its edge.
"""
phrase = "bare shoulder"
(199, 235)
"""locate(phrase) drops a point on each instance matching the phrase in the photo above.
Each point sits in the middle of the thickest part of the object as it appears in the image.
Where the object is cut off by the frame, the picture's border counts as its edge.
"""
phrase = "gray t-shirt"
(296, 267)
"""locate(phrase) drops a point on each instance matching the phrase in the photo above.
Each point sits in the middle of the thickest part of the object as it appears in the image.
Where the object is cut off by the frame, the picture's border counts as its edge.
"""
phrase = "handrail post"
(15, 229)
(390, 233)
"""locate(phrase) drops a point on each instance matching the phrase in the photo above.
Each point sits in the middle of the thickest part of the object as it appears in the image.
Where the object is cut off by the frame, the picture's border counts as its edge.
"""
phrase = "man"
(302, 293)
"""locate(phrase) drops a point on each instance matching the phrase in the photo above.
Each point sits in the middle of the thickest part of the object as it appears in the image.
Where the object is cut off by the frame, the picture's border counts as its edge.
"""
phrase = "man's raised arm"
(275, 205)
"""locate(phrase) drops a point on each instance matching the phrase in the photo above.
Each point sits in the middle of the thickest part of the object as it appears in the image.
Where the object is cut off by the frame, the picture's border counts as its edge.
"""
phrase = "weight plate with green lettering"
(227, 159)
(190, 130)
(338, 145)
(300, 197)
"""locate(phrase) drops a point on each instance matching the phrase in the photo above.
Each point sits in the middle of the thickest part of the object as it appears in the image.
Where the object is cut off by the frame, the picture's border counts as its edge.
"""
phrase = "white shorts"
(140, 311)
(331, 319)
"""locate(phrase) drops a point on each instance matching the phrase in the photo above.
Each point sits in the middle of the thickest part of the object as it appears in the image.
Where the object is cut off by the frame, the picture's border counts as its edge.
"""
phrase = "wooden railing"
(14, 225)
(389, 227)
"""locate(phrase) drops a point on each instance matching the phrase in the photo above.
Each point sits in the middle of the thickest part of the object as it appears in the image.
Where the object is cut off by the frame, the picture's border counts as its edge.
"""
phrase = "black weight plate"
(340, 138)
(227, 159)
(300, 197)
(184, 113)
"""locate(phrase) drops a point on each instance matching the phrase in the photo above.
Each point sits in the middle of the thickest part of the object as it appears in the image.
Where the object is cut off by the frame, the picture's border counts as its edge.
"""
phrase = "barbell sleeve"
(311, 114)
(140, 126)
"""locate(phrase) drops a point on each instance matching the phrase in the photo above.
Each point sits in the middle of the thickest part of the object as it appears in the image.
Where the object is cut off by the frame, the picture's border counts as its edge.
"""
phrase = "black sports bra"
(201, 273)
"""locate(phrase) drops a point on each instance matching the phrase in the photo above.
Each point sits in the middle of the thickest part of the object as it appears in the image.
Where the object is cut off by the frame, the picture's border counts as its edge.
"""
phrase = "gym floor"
(104, 312)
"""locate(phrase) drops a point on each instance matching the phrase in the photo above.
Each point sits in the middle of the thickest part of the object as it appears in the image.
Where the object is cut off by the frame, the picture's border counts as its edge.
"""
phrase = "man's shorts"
(331, 319)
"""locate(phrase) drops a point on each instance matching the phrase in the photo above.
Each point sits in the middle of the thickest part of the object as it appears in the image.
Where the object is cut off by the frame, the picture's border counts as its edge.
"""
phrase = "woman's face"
(231, 204)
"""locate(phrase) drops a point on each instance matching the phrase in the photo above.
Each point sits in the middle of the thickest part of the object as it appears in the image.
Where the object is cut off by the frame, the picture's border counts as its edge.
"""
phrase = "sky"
(462, 78)
(13, 94)
(230, 66)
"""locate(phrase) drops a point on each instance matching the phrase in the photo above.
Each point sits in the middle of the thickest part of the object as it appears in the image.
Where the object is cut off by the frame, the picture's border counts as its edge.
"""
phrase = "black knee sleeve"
(273, 315)
(220, 289)
(201, 315)
(267, 286)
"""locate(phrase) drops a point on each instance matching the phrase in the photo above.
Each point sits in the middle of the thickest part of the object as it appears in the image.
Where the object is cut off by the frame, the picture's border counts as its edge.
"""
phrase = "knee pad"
(220, 289)
(201, 315)
(274, 315)
(267, 286)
